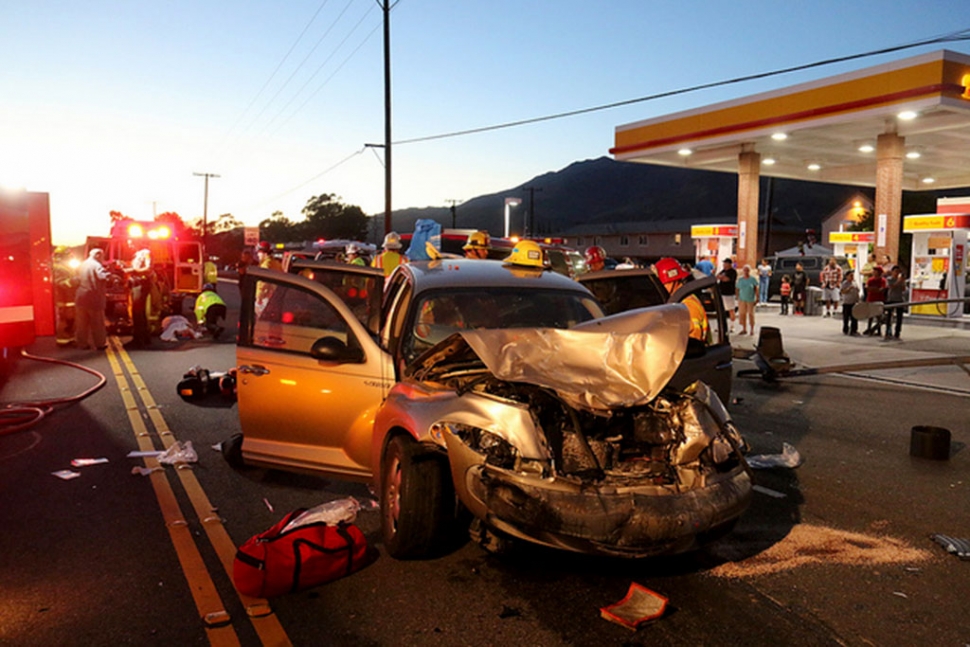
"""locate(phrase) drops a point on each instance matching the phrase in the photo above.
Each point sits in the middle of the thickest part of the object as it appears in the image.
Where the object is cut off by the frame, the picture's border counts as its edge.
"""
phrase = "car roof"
(468, 272)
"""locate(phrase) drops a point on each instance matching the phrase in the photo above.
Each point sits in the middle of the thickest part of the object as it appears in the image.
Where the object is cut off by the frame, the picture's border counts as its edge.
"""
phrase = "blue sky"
(114, 105)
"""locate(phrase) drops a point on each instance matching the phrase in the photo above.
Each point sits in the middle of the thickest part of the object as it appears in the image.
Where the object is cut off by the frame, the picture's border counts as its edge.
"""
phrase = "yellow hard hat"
(477, 240)
(527, 253)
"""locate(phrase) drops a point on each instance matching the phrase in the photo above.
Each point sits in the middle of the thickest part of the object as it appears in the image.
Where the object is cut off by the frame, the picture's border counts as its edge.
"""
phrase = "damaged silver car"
(507, 391)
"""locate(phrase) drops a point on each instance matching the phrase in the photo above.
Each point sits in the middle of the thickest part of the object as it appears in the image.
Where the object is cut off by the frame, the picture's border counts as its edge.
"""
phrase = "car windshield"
(441, 313)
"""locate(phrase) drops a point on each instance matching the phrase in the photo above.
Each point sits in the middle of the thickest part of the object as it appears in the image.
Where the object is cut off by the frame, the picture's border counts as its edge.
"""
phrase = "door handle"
(256, 370)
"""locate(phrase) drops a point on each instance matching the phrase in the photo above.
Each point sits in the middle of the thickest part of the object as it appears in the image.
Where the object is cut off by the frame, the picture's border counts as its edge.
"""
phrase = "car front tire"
(416, 496)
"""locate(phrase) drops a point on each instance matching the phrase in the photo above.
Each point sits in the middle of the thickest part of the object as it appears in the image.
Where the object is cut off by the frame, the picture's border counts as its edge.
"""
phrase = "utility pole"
(205, 213)
(531, 220)
(453, 204)
(387, 116)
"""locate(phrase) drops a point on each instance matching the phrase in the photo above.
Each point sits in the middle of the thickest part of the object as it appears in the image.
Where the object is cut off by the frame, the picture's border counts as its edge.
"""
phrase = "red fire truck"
(177, 271)
(26, 297)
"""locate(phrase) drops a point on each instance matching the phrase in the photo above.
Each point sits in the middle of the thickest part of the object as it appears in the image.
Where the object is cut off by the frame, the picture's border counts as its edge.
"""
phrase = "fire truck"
(176, 264)
(26, 297)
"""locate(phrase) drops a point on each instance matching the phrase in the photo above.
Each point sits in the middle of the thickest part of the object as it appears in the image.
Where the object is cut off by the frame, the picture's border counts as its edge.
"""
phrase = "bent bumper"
(598, 519)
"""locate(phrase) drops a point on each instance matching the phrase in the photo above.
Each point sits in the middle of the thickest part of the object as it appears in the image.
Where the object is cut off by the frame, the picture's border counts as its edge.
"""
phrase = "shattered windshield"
(438, 314)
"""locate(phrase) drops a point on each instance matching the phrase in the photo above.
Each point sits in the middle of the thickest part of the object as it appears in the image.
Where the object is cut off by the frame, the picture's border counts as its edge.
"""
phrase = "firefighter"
(352, 255)
(673, 275)
(210, 273)
(140, 276)
(90, 302)
(477, 244)
(209, 309)
(595, 258)
(391, 257)
(266, 261)
(65, 286)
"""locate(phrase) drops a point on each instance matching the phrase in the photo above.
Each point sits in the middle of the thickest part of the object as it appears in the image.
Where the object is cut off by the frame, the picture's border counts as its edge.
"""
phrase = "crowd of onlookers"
(881, 282)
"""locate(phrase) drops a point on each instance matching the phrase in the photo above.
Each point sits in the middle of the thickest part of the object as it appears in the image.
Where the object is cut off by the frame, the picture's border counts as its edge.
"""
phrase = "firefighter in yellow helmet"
(673, 275)
(527, 253)
(477, 244)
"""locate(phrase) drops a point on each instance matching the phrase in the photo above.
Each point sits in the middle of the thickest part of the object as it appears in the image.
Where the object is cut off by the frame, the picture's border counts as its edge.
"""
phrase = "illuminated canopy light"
(912, 155)
(768, 161)
(779, 137)
(928, 180)
(866, 148)
(684, 152)
(907, 115)
(814, 167)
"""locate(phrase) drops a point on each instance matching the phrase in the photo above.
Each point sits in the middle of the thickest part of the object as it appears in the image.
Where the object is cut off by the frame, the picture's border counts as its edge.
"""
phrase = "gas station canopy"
(827, 130)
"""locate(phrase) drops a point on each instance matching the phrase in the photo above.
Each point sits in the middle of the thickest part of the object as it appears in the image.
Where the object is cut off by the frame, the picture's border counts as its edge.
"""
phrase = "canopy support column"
(890, 148)
(749, 177)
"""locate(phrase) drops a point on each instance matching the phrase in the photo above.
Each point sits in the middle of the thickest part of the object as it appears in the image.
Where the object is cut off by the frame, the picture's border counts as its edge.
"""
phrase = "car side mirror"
(331, 349)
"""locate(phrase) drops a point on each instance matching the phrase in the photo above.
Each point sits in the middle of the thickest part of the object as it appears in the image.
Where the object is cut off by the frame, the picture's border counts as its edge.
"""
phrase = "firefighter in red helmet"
(673, 275)
(595, 258)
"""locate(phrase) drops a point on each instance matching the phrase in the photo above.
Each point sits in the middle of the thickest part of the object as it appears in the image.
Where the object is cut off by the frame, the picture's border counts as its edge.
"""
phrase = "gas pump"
(939, 257)
(854, 245)
(713, 241)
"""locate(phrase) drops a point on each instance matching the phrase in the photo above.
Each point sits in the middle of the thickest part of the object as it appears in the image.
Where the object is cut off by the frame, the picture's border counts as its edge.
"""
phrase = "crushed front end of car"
(570, 438)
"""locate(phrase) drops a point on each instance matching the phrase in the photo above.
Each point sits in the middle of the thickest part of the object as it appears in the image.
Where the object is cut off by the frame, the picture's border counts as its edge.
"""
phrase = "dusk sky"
(114, 105)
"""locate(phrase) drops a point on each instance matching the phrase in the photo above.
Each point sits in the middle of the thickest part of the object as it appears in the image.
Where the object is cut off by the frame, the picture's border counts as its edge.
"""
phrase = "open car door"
(710, 360)
(311, 374)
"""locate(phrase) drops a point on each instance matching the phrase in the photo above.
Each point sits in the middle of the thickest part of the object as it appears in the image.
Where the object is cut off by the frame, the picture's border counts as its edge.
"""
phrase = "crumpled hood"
(619, 361)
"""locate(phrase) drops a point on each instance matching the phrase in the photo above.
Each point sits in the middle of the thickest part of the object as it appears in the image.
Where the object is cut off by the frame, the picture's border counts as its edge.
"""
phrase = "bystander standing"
(727, 279)
(831, 279)
(764, 281)
(875, 293)
(90, 302)
(747, 292)
(895, 293)
(799, 288)
(850, 296)
(785, 290)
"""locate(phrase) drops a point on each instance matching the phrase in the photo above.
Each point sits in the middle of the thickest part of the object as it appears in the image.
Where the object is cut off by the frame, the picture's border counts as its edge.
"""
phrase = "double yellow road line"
(218, 624)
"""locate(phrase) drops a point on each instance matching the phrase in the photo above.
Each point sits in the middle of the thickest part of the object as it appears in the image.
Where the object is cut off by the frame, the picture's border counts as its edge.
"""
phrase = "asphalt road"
(835, 551)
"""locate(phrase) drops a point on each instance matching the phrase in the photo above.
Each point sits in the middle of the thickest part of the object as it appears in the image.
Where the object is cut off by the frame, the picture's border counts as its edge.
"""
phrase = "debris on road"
(179, 452)
(958, 547)
(640, 605)
(768, 491)
(66, 475)
(84, 462)
(144, 471)
(789, 457)
(331, 513)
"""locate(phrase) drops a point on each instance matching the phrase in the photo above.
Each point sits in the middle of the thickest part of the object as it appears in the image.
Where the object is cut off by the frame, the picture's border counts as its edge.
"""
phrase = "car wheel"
(231, 449)
(416, 493)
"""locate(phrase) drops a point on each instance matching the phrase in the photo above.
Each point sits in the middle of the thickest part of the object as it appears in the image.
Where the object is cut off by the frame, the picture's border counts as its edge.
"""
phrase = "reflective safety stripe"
(266, 624)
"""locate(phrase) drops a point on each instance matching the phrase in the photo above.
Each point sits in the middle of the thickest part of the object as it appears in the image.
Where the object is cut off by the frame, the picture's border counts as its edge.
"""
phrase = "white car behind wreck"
(505, 390)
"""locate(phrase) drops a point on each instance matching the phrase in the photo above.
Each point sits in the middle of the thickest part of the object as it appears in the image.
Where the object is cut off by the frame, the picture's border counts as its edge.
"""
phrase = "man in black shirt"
(727, 278)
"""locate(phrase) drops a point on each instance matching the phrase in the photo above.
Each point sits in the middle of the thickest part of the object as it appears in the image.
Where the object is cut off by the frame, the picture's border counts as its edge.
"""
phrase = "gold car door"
(310, 374)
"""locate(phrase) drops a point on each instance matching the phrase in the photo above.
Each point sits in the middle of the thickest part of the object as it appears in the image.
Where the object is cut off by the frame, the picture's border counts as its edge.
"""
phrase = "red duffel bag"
(275, 562)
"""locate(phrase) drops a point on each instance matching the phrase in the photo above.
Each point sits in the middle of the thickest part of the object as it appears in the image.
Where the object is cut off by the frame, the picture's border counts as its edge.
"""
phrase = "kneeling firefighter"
(209, 309)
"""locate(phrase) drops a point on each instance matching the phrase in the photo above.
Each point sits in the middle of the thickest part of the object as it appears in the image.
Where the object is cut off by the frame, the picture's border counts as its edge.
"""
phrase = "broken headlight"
(496, 450)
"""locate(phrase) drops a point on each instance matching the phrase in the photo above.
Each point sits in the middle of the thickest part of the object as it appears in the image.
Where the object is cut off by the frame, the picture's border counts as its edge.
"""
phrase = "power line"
(953, 37)
(275, 71)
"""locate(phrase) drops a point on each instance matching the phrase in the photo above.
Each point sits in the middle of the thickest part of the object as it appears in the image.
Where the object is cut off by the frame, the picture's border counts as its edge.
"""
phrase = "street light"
(509, 203)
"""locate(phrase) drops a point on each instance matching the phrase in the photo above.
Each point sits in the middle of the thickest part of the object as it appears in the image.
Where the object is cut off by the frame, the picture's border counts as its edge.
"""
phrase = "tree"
(327, 217)
(174, 221)
(277, 228)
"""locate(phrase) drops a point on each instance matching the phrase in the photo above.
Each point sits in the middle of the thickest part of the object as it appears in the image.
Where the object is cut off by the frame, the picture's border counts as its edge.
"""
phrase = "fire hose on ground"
(23, 415)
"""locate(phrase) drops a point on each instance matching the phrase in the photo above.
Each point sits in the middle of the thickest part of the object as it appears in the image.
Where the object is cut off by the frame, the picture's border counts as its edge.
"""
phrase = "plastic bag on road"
(330, 513)
(789, 457)
(179, 452)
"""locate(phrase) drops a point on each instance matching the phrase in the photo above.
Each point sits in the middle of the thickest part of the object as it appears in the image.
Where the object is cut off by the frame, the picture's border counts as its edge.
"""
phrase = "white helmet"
(392, 240)
(352, 248)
